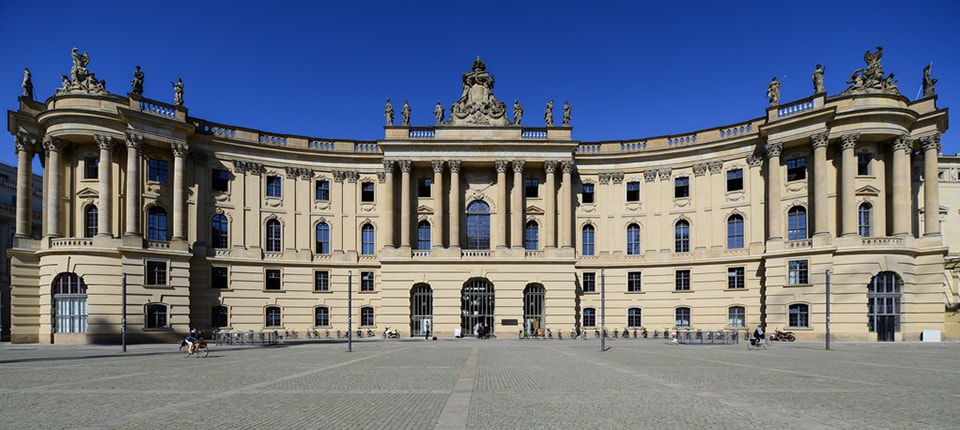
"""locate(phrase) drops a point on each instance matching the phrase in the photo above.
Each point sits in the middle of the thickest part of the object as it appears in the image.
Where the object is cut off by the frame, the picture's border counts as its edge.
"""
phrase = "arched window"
(587, 240)
(321, 316)
(219, 316)
(323, 238)
(589, 317)
(421, 308)
(423, 235)
(797, 223)
(865, 214)
(90, 221)
(682, 317)
(735, 232)
(220, 232)
(534, 309)
(681, 236)
(736, 316)
(531, 236)
(634, 317)
(69, 304)
(799, 315)
(366, 316)
(157, 224)
(156, 315)
(272, 316)
(274, 235)
(883, 305)
(478, 225)
(368, 239)
(477, 305)
(633, 239)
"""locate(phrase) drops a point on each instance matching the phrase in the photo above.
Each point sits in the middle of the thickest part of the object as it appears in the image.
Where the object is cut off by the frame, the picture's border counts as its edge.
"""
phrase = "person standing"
(426, 329)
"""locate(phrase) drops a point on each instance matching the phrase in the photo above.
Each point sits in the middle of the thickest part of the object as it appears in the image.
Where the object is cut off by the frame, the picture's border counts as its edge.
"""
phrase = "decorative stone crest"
(716, 166)
(477, 105)
(604, 177)
(649, 175)
(699, 169)
(665, 173)
(617, 177)
(81, 79)
(871, 80)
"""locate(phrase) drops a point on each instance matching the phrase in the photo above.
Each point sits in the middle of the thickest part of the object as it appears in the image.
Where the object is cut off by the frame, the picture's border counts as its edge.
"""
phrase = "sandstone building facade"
(479, 218)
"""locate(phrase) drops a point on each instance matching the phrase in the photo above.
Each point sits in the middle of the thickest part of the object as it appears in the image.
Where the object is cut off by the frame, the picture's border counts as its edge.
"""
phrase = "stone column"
(931, 187)
(848, 189)
(53, 146)
(405, 166)
(388, 208)
(437, 190)
(501, 203)
(134, 142)
(901, 204)
(105, 209)
(774, 218)
(566, 205)
(550, 218)
(25, 147)
(454, 203)
(179, 196)
(820, 215)
(516, 206)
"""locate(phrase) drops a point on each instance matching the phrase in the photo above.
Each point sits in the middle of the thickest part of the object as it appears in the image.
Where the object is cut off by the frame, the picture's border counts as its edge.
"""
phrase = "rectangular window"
(156, 272)
(91, 167)
(633, 282)
(681, 188)
(321, 317)
(366, 192)
(736, 316)
(157, 171)
(797, 273)
(366, 281)
(863, 164)
(734, 180)
(796, 169)
(423, 187)
(633, 191)
(219, 278)
(366, 317)
(220, 180)
(586, 193)
(531, 187)
(589, 317)
(323, 190)
(682, 280)
(321, 281)
(274, 186)
(589, 282)
(273, 279)
(736, 277)
(682, 317)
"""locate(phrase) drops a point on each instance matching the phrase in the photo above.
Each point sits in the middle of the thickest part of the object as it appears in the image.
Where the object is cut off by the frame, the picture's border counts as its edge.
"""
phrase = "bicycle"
(200, 348)
(755, 344)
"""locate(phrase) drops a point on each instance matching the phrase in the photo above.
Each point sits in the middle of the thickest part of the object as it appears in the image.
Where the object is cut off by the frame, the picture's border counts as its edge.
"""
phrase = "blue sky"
(630, 69)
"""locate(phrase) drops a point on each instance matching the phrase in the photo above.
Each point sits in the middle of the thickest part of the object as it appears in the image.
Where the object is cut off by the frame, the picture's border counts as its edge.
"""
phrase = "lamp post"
(828, 310)
(603, 312)
(123, 310)
(349, 310)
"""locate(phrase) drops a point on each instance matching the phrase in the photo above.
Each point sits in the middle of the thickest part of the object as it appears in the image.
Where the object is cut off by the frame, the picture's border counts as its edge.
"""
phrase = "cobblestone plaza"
(466, 383)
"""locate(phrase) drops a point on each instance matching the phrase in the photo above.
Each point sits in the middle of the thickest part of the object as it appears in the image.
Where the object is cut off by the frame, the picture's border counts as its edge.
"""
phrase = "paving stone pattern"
(482, 384)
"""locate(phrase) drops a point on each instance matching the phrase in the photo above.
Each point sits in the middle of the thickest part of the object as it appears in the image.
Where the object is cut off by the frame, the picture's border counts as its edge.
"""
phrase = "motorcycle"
(391, 333)
(783, 336)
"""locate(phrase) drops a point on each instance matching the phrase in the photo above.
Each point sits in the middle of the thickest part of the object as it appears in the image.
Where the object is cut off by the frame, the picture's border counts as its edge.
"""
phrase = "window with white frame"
(589, 282)
(797, 272)
(272, 279)
(321, 280)
(682, 317)
(736, 277)
(633, 282)
(634, 317)
(156, 272)
(682, 280)
(736, 316)
(155, 315)
(799, 315)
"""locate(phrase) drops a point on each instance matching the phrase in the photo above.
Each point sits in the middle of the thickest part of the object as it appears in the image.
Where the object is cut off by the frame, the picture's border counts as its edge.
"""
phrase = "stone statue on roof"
(871, 80)
(548, 114)
(517, 112)
(438, 113)
(818, 80)
(405, 114)
(477, 105)
(773, 91)
(136, 85)
(928, 82)
(566, 114)
(27, 84)
(81, 79)
(388, 112)
(178, 92)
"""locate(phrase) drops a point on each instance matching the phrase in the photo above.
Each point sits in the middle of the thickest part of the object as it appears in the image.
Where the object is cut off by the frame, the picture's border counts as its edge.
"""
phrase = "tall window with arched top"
(368, 239)
(531, 236)
(323, 238)
(797, 223)
(587, 240)
(633, 239)
(157, 224)
(69, 304)
(735, 232)
(274, 236)
(478, 225)
(90, 220)
(865, 213)
(220, 232)
(681, 236)
(423, 235)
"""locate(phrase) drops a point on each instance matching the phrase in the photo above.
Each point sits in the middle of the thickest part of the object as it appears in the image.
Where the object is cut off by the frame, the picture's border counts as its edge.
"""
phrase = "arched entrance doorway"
(534, 318)
(69, 304)
(476, 305)
(421, 309)
(883, 305)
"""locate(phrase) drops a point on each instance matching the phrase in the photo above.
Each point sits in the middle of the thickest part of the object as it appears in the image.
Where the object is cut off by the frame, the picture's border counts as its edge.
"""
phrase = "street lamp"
(349, 310)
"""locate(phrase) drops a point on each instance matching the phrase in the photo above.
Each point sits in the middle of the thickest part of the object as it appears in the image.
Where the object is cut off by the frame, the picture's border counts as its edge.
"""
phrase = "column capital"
(388, 166)
(931, 142)
(699, 169)
(382, 176)
(567, 166)
(247, 167)
(903, 143)
(849, 141)
(438, 166)
(550, 166)
(716, 166)
(454, 166)
(352, 176)
(501, 165)
(665, 173)
(517, 166)
(820, 140)
(650, 175)
(25, 143)
(134, 141)
(754, 160)
(180, 149)
(405, 165)
(52, 144)
(617, 176)
(773, 149)
(104, 141)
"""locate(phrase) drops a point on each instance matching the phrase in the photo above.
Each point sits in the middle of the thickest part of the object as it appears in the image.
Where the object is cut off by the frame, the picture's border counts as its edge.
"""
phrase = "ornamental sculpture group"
(477, 106)
(869, 80)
